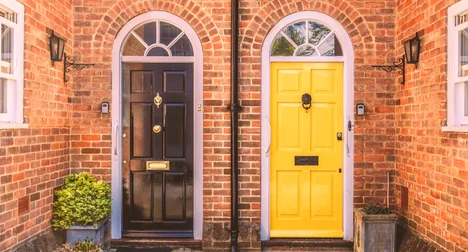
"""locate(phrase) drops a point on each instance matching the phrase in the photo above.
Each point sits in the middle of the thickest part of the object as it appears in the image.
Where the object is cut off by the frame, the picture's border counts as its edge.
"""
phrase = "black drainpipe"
(235, 108)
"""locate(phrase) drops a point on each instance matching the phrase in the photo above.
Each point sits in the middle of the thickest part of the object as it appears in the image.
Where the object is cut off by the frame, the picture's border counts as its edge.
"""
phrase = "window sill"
(455, 129)
(13, 126)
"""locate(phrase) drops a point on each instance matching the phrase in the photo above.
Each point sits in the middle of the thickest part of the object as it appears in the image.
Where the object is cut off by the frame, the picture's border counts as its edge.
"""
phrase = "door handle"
(116, 128)
(269, 138)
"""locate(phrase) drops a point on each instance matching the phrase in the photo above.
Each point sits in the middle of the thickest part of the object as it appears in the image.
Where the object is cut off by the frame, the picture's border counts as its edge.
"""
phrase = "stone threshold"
(161, 244)
(307, 243)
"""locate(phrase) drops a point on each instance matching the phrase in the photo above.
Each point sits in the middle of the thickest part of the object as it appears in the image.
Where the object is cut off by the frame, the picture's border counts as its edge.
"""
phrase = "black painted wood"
(157, 203)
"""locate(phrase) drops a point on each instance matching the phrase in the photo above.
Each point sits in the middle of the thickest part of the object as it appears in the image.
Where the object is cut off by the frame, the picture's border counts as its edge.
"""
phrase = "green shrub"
(376, 209)
(82, 201)
(80, 246)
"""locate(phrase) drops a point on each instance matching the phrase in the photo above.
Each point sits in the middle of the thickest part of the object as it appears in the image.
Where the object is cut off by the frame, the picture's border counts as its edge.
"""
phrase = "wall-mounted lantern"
(57, 46)
(412, 48)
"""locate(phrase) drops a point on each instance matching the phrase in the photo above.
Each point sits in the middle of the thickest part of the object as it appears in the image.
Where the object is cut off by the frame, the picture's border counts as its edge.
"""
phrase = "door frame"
(116, 155)
(348, 114)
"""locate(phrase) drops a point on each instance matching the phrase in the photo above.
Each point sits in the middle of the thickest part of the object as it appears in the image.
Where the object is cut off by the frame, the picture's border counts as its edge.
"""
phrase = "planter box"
(374, 232)
(97, 234)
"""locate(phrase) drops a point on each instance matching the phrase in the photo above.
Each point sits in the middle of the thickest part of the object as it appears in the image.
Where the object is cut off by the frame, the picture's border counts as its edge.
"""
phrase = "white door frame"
(348, 101)
(117, 60)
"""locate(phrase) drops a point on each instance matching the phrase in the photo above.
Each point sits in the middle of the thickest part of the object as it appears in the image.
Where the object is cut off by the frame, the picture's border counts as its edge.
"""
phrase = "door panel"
(306, 187)
(157, 203)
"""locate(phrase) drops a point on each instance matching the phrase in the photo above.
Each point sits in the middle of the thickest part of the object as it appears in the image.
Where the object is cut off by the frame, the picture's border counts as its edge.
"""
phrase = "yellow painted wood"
(306, 201)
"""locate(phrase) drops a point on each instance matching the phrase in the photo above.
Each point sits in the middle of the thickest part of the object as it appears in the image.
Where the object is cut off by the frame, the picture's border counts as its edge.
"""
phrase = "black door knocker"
(306, 101)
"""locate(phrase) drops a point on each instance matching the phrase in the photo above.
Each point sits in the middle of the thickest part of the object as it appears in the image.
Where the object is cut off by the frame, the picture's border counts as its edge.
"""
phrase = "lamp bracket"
(70, 62)
(399, 65)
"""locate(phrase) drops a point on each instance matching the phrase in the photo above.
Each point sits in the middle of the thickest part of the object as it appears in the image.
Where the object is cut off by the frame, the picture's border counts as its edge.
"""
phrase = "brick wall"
(371, 28)
(33, 161)
(430, 163)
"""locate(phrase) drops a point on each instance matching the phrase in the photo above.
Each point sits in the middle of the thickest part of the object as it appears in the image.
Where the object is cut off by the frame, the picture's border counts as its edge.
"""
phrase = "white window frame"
(456, 120)
(15, 82)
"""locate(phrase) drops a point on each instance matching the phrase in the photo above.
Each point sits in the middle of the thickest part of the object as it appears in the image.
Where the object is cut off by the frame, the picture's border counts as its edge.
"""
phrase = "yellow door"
(306, 156)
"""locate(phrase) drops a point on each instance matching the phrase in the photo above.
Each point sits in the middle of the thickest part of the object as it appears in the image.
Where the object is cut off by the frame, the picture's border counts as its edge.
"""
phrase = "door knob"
(157, 128)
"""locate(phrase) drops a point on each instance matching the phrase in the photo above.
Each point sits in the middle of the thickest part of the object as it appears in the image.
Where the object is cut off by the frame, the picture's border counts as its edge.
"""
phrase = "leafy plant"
(80, 246)
(82, 201)
(376, 209)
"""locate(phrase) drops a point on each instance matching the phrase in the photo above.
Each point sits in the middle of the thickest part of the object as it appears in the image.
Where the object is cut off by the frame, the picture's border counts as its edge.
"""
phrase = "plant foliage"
(376, 209)
(80, 246)
(82, 201)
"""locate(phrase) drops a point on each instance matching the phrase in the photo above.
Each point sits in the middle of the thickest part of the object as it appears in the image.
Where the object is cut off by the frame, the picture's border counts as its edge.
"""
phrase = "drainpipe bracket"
(234, 107)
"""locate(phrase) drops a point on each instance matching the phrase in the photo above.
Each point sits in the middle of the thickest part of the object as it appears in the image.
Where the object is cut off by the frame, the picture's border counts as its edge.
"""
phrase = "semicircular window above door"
(157, 38)
(306, 38)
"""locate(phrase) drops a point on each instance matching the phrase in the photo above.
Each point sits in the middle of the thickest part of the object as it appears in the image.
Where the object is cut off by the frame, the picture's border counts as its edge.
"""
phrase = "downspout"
(234, 108)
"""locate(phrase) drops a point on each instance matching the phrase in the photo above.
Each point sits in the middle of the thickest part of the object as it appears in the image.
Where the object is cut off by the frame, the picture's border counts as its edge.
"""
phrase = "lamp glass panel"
(282, 47)
(6, 58)
(415, 50)
(60, 48)
(407, 46)
(53, 40)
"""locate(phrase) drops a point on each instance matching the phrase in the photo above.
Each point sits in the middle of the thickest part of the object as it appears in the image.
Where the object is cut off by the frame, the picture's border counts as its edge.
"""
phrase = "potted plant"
(82, 207)
(375, 229)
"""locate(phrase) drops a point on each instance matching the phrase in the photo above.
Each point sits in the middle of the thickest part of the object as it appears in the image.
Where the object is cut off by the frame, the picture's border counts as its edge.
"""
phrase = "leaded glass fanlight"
(306, 38)
(157, 38)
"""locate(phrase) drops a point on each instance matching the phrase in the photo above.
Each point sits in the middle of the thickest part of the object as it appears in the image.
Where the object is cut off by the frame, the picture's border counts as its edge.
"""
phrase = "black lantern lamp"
(57, 45)
(412, 50)
(412, 47)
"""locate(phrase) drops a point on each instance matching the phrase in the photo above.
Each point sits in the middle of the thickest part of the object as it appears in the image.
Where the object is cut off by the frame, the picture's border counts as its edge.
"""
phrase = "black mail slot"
(306, 160)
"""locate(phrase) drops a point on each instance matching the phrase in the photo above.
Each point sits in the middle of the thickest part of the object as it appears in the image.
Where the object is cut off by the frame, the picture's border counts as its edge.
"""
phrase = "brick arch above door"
(346, 14)
(116, 17)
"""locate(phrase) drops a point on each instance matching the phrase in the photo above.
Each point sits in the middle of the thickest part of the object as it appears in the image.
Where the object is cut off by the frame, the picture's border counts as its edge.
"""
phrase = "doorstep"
(307, 245)
(143, 245)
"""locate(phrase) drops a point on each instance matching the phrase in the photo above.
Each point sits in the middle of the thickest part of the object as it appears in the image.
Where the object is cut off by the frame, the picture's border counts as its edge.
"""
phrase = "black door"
(157, 169)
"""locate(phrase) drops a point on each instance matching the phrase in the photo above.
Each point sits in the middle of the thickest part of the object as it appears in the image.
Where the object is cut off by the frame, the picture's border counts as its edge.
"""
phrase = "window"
(306, 38)
(457, 68)
(157, 38)
(11, 64)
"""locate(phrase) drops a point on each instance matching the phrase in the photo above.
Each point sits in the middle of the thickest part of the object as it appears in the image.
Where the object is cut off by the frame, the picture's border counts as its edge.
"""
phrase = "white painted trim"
(162, 46)
(16, 91)
(158, 59)
(455, 114)
(348, 97)
(14, 126)
(455, 128)
(117, 59)
(306, 59)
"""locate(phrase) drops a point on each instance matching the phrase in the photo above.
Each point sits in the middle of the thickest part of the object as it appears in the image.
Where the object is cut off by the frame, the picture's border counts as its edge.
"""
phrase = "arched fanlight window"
(157, 38)
(306, 38)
